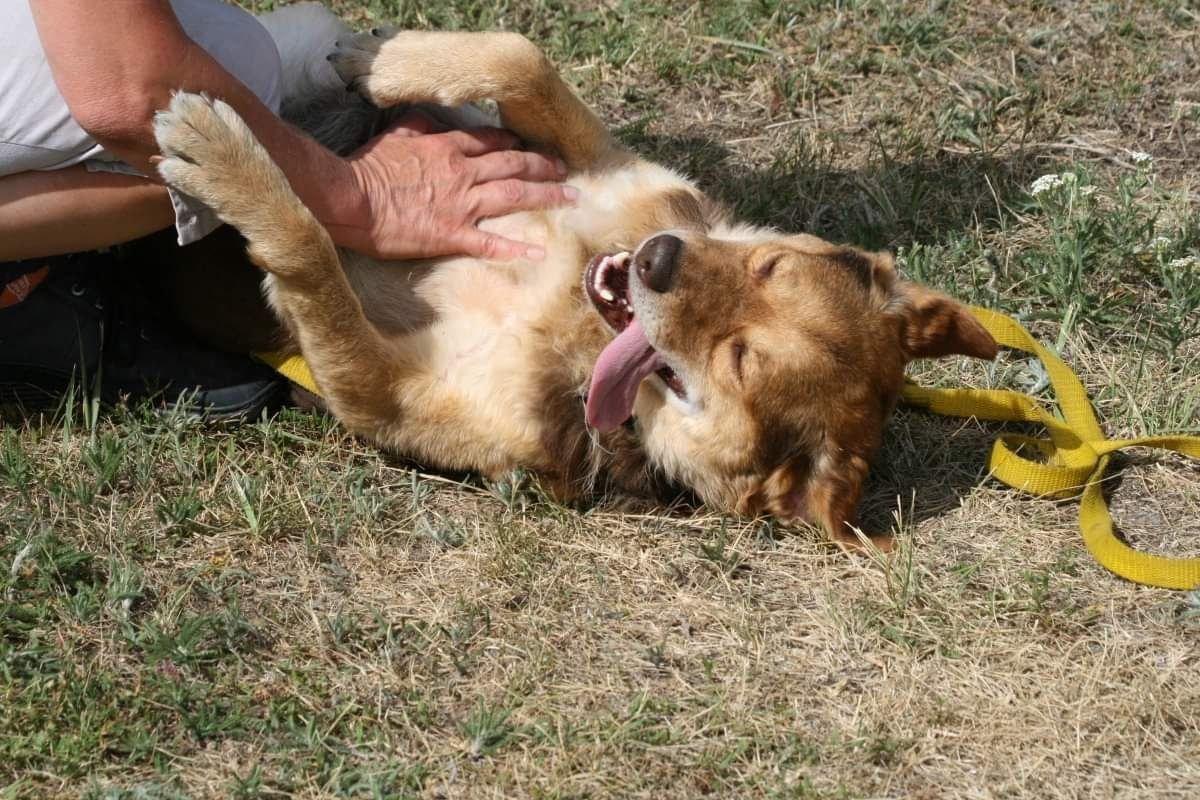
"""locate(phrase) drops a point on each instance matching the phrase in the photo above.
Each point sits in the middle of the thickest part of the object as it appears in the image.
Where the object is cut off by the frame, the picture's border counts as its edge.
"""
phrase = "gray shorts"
(36, 128)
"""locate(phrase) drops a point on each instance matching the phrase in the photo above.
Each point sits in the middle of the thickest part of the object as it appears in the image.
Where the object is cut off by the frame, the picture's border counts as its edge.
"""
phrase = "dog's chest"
(485, 337)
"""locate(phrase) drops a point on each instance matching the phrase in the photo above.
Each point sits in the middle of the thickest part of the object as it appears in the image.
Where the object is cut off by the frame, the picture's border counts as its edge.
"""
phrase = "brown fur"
(468, 364)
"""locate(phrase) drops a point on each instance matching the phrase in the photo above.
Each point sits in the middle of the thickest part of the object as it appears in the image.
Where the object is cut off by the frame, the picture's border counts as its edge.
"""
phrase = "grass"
(275, 610)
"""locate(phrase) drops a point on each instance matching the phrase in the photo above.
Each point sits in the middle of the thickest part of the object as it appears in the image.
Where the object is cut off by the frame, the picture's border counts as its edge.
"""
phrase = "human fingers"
(497, 198)
(477, 141)
(517, 164)
(494, 247)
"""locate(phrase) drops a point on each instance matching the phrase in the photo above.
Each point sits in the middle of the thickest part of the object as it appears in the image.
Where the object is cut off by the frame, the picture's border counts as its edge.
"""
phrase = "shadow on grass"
(890, 202)
(927, 465)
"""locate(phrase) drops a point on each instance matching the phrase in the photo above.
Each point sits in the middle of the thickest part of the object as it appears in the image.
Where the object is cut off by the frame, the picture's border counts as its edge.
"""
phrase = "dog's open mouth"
(629, 358)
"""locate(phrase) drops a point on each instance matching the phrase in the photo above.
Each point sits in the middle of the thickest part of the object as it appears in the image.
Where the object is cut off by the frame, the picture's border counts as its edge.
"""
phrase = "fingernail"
(571, 193)
(535, 253)
(561, 166)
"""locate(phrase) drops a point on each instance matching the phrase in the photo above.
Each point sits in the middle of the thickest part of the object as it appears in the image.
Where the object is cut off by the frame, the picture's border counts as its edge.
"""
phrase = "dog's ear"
(933, 325)
(823, 492)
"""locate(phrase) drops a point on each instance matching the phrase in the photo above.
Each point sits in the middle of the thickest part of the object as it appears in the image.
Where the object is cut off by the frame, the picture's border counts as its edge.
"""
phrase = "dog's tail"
(304, 35)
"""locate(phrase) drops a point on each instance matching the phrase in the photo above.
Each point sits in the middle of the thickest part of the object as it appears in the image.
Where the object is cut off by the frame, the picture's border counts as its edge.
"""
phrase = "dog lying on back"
(658, 339)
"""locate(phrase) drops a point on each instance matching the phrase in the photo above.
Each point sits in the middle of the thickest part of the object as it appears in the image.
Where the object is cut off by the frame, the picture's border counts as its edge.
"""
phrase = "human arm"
(116, 62)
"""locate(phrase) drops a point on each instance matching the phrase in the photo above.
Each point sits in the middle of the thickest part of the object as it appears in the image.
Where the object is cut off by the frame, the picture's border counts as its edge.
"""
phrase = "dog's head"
(761, 371)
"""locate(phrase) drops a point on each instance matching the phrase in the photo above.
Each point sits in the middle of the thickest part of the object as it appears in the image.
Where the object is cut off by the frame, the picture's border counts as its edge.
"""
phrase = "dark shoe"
(76, 326)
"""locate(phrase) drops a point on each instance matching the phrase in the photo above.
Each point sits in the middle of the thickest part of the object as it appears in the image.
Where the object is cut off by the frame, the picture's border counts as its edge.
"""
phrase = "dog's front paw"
(204, 146)
(209, 153)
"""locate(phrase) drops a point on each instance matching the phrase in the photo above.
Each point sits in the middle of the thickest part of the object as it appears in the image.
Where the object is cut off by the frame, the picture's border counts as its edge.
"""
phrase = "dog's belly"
(478, 327)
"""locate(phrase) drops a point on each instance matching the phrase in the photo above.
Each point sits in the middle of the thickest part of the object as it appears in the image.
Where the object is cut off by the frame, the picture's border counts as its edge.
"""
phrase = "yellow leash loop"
(1076, 453)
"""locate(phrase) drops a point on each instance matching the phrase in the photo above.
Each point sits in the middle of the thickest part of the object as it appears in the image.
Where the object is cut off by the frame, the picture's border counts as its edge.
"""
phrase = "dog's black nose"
(656, 261)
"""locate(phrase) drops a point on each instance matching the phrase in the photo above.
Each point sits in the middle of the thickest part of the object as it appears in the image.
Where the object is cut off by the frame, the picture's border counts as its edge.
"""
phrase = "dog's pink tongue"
(619, 371)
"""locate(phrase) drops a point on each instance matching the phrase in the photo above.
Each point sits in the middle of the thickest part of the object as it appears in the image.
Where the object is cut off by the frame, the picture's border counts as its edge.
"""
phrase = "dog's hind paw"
(354, 56)
(388, 68)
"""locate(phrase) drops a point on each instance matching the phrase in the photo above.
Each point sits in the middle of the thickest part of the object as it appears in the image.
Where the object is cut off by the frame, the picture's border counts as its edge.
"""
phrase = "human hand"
(422, 192)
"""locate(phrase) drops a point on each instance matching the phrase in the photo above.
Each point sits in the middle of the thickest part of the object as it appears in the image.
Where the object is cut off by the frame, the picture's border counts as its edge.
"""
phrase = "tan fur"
(453, 69)
(463, 363)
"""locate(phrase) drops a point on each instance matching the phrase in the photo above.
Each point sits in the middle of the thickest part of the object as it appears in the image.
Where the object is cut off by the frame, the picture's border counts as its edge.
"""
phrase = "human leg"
(68, 318)
(71, 210)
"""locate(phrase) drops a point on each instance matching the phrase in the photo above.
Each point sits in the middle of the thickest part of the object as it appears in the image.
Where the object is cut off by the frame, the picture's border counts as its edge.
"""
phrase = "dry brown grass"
(369, 630)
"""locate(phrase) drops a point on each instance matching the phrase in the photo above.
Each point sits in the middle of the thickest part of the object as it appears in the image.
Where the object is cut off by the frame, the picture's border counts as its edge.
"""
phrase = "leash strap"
(294, 368)
(1074, 457)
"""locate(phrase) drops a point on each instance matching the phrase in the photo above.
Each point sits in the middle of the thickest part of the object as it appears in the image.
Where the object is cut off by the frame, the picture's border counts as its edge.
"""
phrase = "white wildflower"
(1155, 245)
(1186, 262)
(1046, 183)
(1140, 157)
(1087, 191)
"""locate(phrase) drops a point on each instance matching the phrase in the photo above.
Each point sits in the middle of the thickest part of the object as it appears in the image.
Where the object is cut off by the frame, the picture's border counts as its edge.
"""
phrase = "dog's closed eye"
(739, 355)
(767, 268)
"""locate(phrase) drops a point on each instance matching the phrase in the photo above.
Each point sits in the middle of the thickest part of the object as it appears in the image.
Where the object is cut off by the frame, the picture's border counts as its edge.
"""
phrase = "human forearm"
(69, 210)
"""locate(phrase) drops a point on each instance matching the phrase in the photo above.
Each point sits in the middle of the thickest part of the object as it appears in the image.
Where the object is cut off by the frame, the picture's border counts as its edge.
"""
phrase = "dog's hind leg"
(209, 153)
(452, 69)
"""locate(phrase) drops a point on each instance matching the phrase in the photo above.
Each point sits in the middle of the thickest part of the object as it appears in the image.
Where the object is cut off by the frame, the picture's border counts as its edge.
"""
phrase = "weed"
(178, 513)
(486, 731)
(15, 469)
(727, 561)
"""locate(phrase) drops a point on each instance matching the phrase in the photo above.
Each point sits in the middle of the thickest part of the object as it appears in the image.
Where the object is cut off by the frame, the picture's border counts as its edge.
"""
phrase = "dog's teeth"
(607, 295)
(601, 272)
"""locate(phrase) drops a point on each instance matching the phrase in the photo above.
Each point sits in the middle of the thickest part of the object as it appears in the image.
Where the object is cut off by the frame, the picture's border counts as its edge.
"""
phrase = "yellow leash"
(1076, 454)
(294, 368)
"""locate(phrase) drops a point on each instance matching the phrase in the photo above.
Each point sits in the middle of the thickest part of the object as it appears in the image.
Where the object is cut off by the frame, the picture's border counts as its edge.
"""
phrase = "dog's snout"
(656, 261)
